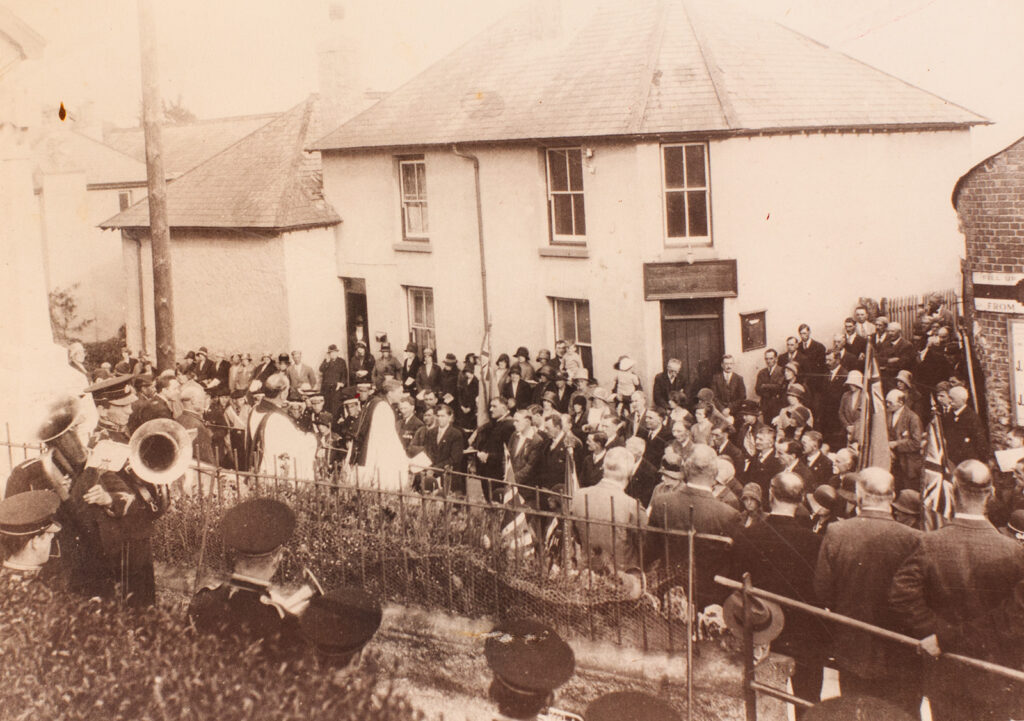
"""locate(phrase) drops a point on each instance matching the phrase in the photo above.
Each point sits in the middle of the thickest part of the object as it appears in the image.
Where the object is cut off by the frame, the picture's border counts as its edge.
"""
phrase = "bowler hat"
(412, 348)
(450, 359)
(826, 496)
(908, 501)
(284, 357)
(202, 349)
(332, 348)
(766, 617)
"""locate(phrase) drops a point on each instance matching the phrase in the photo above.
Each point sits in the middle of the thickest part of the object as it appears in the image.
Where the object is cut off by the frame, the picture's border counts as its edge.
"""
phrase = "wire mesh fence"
(449, 552)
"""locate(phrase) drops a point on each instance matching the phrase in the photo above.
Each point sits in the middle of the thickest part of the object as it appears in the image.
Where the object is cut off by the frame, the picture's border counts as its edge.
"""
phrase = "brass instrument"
(159, 451)
(58, 433)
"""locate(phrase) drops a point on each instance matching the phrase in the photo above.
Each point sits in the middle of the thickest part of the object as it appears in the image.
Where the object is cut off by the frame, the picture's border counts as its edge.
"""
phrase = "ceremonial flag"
(937, 496)
(516, 534)
(483, 397)
(874, 435)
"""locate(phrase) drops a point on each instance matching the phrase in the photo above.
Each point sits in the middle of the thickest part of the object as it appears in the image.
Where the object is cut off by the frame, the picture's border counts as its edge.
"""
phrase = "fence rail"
(906, 310)
(751, 686)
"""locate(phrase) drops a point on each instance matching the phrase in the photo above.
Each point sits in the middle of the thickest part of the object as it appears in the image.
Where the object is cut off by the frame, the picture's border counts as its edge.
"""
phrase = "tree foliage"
(64, 320)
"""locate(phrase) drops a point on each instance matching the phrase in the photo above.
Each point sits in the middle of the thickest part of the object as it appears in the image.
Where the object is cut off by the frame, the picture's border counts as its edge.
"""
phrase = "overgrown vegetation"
(64, 320)
(69, 659)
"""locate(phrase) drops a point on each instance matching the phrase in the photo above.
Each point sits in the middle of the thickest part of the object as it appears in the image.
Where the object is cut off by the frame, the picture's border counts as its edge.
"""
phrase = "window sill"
(412, 247)
(556, 251)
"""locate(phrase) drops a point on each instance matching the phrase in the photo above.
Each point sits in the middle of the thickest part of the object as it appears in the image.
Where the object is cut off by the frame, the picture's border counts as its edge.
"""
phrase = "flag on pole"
(874, 433)
(937, 496)
(516, 534)
(483, 397)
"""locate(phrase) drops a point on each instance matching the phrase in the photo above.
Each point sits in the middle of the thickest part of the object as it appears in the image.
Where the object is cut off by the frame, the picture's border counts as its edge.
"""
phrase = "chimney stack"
(341, 92)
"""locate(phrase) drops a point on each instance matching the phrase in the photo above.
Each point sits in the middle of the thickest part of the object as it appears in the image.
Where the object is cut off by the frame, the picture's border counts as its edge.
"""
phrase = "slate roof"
(265, 180)
(637, 67)
(186, 145)
(64, 150)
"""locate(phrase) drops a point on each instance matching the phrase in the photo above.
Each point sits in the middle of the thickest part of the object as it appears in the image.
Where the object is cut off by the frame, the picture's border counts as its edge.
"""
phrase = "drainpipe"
(483, 266)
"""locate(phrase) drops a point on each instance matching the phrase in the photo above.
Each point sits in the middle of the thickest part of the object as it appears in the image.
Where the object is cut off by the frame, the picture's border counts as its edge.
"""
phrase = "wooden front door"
(691, 330)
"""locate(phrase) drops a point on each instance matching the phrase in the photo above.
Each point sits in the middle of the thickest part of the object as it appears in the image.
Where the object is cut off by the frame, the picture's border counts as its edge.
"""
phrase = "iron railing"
(751, 687)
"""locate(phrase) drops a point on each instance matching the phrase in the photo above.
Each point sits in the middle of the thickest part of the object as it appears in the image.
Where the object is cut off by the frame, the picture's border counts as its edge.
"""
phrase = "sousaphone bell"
(160, 451)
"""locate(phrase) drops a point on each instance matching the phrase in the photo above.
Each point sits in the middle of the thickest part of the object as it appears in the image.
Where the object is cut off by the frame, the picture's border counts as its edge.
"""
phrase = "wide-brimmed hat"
(624, 363)
(909, 502)
(801, 415)
(855, 379)
(766, 618)
(603, 394)
(795, 389)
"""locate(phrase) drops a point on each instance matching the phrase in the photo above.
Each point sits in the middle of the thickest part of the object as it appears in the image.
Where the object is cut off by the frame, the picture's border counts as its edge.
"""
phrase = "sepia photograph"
(565, 360)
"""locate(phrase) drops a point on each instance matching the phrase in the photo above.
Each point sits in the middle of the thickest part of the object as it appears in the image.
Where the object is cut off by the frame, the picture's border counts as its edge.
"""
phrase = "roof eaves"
(283, 209)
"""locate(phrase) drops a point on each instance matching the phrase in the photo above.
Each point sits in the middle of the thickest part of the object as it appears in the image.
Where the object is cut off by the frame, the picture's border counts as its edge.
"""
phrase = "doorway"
(691, 330)
(356, 322)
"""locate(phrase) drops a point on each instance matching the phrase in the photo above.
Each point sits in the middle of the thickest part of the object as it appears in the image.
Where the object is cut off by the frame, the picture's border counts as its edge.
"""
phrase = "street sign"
(998, 292)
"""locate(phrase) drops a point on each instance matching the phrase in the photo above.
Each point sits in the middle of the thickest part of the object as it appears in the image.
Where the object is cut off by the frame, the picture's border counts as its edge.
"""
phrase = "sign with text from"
(998, 292)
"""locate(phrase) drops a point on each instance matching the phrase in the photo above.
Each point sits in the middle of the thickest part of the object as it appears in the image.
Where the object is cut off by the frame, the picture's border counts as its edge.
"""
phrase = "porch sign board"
(1015, 326)
(703, 279)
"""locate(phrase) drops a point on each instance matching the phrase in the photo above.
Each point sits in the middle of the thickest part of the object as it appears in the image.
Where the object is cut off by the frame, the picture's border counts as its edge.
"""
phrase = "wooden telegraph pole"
(160, 233)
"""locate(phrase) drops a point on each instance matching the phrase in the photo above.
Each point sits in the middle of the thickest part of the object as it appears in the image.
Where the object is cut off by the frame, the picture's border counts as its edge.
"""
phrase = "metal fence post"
(690, 580)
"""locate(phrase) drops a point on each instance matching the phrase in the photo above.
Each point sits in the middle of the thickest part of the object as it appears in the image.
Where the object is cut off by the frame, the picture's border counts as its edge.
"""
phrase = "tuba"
(159, 451)
(58, 433)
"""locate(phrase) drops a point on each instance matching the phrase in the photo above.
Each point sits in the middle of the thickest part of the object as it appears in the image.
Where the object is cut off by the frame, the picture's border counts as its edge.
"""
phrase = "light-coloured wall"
(316, 312)
(229, 292)
(814, 221)
(77, 252)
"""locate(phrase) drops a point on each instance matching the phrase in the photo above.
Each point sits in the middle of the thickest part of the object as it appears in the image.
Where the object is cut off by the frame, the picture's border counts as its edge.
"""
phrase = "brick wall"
(991, 208)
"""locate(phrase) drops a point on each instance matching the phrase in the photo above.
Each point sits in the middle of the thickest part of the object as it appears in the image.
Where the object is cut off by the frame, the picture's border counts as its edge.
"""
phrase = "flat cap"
(528, 656)
(339, 623)
(632, 705)
(258, 527)
(28, 513)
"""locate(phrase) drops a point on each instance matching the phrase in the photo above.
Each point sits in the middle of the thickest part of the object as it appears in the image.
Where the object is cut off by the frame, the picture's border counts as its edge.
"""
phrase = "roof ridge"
(985, 120)
(298, 157)
(200, 121)
(391, 93)
(108, 147)
(653, 66)
(714, 74)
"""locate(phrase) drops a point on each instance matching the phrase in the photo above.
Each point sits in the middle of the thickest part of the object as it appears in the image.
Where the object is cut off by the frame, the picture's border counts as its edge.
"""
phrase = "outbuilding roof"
(265, 180)
(641, 67)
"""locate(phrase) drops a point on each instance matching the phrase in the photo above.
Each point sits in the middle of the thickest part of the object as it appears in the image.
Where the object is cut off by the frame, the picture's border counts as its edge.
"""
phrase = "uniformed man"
(340, 623)
(113, 398)
(27, 528)
(529, 661)
(244, 607)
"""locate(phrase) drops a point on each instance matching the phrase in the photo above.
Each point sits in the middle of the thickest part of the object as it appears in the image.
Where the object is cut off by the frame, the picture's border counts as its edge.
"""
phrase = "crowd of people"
(778, 471)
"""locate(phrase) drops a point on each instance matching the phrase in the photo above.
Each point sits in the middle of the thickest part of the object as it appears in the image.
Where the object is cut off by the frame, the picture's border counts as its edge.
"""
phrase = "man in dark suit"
(856, 565)
(490, 442)
(644, 476)
(793, 354)
(670, 509)
(333, 377)
(817, 462)
(780, 554)
(159, 406)
(770, 385)
(853, 341)
(965, 435)
(408, 422)
(671, 379)
(813, 353)
(847, 360)
(899, 354)
(204, 368)
(832, 389)
(791, 456)
(654, 436)
(724, 447)
(524, 453)
(410, 367)
(728, 386)
(905, 434)
(562, 392)
(444, 446)
(765, 464)
(593, 462)
(959, 572)
(933, 366)
(264, 369)
(744, 437)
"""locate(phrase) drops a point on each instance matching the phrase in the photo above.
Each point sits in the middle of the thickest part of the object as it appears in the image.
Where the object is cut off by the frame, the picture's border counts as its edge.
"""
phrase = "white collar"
(972, 516)
(24, 568)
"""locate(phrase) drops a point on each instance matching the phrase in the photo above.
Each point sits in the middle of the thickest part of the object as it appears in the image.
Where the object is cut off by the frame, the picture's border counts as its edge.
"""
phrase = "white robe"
(387, 465)
(288, 452)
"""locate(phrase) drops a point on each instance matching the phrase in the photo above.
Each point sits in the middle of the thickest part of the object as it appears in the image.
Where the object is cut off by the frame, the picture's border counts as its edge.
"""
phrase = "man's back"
(607, 502)
(856, 565)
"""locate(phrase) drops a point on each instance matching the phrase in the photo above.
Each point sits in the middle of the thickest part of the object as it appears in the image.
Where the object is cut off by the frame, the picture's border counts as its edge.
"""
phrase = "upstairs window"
(413, 179)
(565, 195)
(687, 219)
(421, 317)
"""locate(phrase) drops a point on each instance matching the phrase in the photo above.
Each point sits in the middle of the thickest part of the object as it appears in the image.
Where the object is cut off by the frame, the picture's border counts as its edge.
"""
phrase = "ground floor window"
(421, 317)
(572, 324)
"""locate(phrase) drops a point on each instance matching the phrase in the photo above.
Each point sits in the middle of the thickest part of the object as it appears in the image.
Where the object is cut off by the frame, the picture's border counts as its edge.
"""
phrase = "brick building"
(989, 199)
